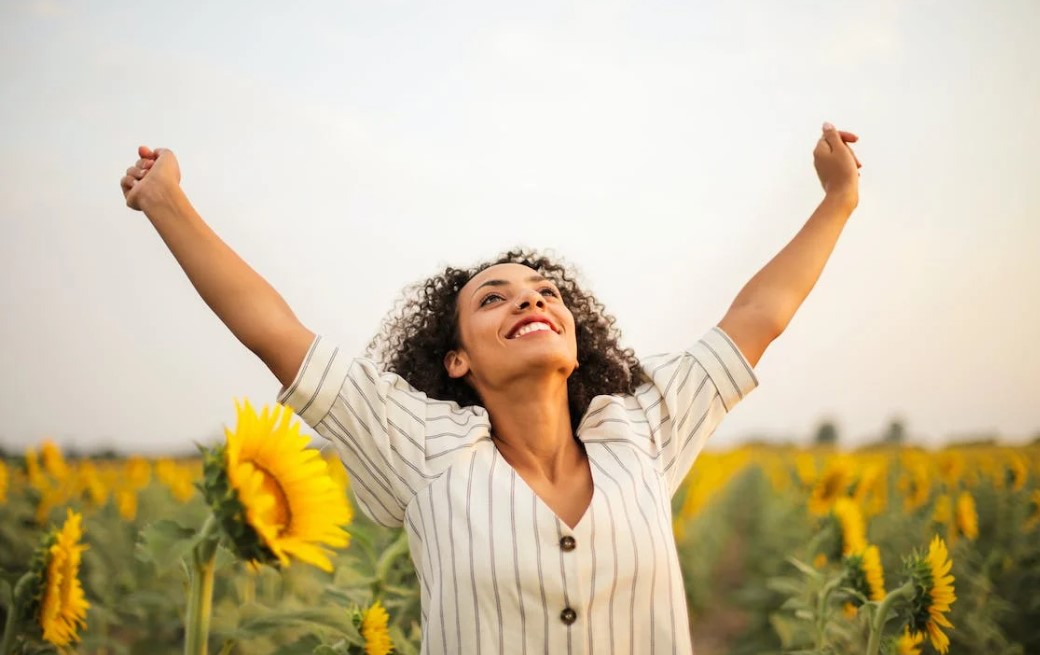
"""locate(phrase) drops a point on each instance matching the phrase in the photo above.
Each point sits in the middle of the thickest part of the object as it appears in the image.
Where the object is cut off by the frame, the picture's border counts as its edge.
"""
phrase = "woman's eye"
(550, 291)
(489, 297)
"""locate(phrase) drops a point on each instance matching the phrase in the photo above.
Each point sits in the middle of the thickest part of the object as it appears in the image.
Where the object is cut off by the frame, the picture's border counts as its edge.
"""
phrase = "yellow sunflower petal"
(373, 628)
(289, 497)
(63, 606)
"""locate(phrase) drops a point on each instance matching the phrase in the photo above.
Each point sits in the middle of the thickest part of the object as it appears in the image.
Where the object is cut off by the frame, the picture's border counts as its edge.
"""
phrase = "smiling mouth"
(531, 328)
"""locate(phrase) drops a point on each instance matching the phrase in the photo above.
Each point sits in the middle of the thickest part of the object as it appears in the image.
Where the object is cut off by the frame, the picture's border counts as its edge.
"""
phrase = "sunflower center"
(831, 486)
(278, 513)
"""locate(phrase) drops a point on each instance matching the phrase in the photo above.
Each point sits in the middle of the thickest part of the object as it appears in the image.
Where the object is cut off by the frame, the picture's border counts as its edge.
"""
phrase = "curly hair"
(423, 327)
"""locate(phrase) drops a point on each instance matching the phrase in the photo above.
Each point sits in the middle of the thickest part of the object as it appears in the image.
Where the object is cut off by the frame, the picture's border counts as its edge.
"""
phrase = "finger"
(144, 163)
(833, 138)
(127, 183)
(848, 137)
(858, 165)
(135, 172)
(822, 147)
(144, 152)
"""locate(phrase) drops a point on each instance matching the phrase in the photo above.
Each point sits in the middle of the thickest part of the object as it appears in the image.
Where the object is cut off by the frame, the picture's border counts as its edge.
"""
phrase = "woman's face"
(512, 324)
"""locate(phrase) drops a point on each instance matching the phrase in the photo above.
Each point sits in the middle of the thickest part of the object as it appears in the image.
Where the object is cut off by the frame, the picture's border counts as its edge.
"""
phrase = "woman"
(530, 459)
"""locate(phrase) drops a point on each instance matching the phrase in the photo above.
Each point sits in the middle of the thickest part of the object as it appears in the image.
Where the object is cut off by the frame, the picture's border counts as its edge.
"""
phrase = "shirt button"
(567, 543)
(568, 616)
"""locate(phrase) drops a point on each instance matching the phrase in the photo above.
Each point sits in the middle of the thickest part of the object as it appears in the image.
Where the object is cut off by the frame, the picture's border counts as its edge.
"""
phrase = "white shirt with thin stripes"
(499, 572)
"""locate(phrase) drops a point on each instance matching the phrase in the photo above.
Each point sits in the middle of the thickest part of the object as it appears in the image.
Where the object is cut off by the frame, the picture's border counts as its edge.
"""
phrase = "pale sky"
(346, 149)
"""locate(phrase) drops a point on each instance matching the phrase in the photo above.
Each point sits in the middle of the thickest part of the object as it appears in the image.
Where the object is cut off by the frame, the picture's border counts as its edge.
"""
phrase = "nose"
(525, 300)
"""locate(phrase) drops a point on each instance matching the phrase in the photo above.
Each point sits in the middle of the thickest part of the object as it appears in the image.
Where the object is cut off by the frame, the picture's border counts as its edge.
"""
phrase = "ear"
(456, 364)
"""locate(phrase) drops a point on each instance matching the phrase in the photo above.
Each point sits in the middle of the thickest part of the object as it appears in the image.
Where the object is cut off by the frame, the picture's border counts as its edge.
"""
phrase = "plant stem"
(821, 608)
(200, 602)
(878, 625)
(13, 612)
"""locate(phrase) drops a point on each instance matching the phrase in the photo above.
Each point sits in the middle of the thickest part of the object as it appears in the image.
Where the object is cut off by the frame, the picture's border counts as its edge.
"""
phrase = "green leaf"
(353, 595)
(266, 621)
(224, 558)
(805, 568)
(397, 549)
(305, 645)
(783, 628)
(793, 604)
(6, 594)
(787, 586)
(402, 645)
(165, 543)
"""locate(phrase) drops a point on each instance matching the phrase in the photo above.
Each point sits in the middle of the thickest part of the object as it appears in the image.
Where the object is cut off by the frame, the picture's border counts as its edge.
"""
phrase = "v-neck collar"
(563, 526)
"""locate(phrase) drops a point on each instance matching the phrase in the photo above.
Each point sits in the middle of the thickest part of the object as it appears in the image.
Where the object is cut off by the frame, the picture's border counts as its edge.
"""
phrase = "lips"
(528, 320)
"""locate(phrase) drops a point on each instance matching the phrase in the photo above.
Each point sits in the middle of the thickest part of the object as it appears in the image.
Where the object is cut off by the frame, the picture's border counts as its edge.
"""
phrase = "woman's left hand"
(836, 164)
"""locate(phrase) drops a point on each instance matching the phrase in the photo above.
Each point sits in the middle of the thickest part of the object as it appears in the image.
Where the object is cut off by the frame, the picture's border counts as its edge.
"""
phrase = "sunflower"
(829, 487)
(933, 594)
(58, 606)
(273, 495)
(338, 472)
(1034, 517)
(1016, 472)
(865, 574)
(88, 482)
(137, 472)
(909, 643)
(805, 469)
(53, 461)
(967, 519)
(951, 467)
(37, 480)
(872, 490)
(915, 484)
(853, 531)
(373, 629)
(942, 511)
(3, 482)
(126, 502)
(180, 479)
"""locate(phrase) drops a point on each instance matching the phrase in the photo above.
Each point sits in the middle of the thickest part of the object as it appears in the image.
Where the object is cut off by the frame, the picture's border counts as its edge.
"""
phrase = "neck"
(531, 424)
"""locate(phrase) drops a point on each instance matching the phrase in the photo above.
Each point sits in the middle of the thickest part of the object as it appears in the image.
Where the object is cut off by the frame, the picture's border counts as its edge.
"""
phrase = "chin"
(548, 360)
(552, 362)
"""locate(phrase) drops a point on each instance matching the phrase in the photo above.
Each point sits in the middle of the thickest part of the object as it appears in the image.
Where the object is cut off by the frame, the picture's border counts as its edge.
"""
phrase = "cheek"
(572, 329)
(478, 331)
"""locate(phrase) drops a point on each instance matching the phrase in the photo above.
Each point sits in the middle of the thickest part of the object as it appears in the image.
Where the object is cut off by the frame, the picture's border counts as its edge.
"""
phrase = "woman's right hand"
(151, 179)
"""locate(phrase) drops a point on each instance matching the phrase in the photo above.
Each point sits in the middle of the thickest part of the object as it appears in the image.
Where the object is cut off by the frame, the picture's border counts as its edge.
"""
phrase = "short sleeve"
(691, 392)
(392, 438)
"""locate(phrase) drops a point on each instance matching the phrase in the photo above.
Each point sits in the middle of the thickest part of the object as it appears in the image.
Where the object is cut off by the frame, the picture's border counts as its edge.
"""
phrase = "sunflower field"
(254, 547)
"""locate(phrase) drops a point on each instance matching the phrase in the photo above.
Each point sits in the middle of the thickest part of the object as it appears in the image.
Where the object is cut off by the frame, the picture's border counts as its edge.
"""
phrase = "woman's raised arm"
(254, 312)
(768, 302)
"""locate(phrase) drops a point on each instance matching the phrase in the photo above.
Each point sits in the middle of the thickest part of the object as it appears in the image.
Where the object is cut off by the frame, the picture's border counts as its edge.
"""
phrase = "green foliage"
(747, 557)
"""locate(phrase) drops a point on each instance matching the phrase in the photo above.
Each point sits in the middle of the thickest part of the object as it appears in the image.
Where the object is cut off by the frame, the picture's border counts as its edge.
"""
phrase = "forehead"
(514, 273)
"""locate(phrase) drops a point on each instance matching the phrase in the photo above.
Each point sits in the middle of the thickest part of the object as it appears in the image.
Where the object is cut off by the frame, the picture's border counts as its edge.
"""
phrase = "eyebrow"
(505, 283)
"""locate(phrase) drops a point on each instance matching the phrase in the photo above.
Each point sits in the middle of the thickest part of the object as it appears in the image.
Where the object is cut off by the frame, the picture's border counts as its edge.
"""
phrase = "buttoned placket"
(574, 548)
(566, 543)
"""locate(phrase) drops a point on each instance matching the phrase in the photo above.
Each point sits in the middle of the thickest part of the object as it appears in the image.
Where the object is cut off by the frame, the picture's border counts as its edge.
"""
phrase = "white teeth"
(531, 327)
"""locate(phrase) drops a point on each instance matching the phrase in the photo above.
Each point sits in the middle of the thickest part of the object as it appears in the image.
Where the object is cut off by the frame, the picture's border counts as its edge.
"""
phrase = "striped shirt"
(498, 570)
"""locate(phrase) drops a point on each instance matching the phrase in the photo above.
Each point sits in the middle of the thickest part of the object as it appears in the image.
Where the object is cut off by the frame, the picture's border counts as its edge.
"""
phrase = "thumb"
(833, 137)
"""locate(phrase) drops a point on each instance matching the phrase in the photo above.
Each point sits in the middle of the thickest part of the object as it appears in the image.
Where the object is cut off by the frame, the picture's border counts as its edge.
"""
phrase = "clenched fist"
(151, 179)
(836, 164)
